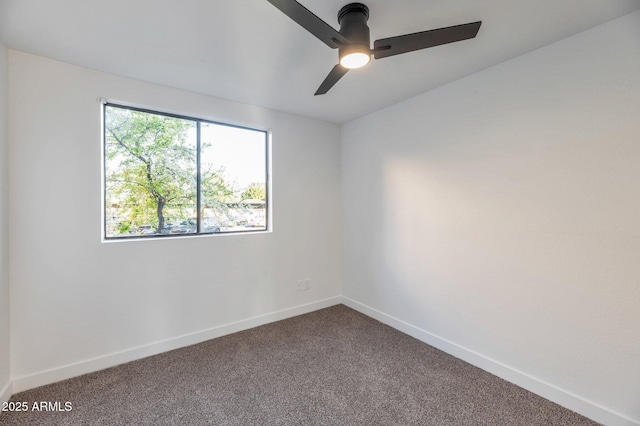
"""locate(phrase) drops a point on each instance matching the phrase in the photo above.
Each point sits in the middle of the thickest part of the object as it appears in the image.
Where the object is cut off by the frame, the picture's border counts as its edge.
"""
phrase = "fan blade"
(416, 41)
(310, 22)
(336, 74)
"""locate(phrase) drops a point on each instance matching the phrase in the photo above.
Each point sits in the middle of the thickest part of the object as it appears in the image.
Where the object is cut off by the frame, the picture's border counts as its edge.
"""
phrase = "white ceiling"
(249, 51)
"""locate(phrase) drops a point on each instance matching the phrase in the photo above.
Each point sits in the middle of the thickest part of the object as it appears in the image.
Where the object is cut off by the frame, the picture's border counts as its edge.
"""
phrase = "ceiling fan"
(352, 41)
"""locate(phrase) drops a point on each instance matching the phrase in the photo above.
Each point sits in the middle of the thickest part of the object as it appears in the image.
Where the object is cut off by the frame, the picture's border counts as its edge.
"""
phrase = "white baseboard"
(6, 392)
(19, 384)
(561, 397)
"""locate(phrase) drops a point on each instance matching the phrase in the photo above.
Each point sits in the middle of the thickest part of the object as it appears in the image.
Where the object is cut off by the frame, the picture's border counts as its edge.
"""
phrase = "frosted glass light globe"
(355, 60)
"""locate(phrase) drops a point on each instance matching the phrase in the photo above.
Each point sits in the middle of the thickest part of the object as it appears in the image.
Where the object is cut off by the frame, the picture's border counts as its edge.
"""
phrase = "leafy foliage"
(150, 166)
(151, 170)
(216, 192)
(255, 191)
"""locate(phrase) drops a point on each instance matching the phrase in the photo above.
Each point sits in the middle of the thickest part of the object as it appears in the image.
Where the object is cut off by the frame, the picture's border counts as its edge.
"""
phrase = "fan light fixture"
(353, 26)
(355, 59)
(353, 41)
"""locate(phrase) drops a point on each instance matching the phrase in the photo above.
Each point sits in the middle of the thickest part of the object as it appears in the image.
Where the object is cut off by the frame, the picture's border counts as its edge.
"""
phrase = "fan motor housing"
(353, 25)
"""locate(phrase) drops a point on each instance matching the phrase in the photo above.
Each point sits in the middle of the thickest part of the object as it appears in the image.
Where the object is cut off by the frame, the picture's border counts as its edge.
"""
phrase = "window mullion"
(199, 209)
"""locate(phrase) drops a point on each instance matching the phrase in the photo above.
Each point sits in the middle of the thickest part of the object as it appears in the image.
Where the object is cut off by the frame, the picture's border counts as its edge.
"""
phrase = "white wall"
(5, 390)
(78, 304)
(497, 217)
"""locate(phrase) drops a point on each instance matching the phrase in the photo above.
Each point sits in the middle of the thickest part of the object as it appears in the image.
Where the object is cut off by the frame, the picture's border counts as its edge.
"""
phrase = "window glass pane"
(150, 173)
(233, 178)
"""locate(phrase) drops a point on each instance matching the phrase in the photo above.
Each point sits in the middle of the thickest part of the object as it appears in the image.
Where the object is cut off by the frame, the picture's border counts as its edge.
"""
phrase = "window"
(169, 175)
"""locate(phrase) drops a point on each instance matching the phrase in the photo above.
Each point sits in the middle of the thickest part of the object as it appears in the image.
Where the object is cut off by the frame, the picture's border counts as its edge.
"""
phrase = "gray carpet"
(330, 367)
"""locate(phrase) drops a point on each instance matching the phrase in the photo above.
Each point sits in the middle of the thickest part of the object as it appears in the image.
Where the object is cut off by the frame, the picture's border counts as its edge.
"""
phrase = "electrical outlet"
(302, 285)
